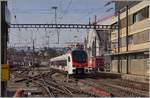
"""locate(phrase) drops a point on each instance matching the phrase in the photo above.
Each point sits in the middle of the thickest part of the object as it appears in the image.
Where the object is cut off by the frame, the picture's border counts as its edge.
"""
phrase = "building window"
(130, 39)
(123, 23)
(137, 17)
(114, 44)
(114, 58)
(146, 56)
(141, 37)
(132, 56)
(123, 57)
(123, 42)
(140, 15)
(140, 56)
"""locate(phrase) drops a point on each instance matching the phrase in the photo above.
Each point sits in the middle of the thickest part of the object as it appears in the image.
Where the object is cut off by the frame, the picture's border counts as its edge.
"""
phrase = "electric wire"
(66, 10)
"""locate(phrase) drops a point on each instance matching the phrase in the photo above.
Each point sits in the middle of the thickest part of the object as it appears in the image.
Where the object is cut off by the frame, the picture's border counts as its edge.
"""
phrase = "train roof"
(64, 57)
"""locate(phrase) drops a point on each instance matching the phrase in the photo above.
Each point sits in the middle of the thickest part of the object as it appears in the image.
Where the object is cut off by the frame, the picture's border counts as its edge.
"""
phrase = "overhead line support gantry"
(65, 26)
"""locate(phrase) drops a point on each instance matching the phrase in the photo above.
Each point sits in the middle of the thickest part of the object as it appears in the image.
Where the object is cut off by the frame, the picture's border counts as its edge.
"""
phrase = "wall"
(138, 40)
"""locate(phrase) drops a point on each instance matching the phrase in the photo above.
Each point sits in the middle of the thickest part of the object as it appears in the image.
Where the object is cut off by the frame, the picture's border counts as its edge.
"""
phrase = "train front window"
(79, 56)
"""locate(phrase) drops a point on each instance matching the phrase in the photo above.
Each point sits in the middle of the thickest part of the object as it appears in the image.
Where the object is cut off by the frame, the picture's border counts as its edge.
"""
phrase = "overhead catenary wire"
(46, 11)
(66, 10)
(15, 35)
(26, 41)
(89, 14)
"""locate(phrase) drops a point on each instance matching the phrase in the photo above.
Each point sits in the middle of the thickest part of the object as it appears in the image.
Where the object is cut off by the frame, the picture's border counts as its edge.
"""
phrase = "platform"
(137, 78)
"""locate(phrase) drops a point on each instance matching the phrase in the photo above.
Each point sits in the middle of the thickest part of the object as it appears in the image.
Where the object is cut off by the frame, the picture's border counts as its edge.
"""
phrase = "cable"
(89, 13)
(30, 10)
(88, 8)
(18, 36)
(46, 13)
(66, 10)
(25, 40)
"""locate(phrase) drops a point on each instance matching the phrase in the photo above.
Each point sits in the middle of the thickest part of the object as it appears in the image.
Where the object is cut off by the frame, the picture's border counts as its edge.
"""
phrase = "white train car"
(73, 62)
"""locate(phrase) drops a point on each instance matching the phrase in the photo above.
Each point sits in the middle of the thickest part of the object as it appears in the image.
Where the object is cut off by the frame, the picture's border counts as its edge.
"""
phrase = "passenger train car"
(96, 62)
(72, 62)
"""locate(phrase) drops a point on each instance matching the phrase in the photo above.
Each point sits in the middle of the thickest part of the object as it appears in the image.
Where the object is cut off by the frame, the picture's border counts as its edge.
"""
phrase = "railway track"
(52, 87)
(128, 83)
(65, 88)
(23, 75)
(72, 89)
(119, 87)
(115, 86)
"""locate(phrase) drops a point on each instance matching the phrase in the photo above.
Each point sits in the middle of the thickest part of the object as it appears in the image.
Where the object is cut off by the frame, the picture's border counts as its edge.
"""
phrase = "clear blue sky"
(40, 11)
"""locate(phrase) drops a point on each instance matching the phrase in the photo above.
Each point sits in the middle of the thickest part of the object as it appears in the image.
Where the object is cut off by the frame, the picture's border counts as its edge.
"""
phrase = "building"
(97, 42)
(120, 4)
(130, 43)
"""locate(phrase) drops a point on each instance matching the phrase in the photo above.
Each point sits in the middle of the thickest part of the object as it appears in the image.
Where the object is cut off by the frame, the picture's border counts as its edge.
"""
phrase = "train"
(73, 62)
(96, 63)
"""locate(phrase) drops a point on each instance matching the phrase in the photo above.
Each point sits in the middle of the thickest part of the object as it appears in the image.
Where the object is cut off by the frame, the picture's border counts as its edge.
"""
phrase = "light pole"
(55, 9)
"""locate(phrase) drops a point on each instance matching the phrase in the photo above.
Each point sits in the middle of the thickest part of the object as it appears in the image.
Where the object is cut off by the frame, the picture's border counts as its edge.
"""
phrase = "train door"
(69, 65)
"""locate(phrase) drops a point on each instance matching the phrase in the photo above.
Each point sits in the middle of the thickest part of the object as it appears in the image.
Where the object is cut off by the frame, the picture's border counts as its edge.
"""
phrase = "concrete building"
(128, 47)
(130, 44)
(119, 4)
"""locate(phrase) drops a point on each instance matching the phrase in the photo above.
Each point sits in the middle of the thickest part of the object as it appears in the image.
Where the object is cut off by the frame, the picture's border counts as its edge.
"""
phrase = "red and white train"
(96, 62)
(73, 62)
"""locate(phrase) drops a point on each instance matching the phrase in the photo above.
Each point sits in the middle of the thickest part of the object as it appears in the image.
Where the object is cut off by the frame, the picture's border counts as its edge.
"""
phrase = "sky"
(40, 11)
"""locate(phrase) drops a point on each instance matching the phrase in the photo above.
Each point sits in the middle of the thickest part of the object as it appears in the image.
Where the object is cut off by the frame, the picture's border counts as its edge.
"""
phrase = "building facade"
(96, 43)
(130, 43)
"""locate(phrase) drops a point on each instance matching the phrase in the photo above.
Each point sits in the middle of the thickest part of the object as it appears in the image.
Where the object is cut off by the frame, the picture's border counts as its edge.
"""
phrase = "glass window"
(79, 56)
(123, 42)
(123, 23)
(123, 57)
(132, 56)
(140, 56)
(137, 17)
(141, 37)
(140, 15)
(146, 55)
(114, 58)
(130, 39)
(114, 43)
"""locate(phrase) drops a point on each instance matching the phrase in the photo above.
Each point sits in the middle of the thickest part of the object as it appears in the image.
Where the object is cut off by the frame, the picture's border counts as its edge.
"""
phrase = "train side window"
(68, 59)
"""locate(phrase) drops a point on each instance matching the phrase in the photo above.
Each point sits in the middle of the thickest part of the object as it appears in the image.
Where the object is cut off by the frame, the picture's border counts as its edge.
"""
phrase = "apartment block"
(130, 43)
